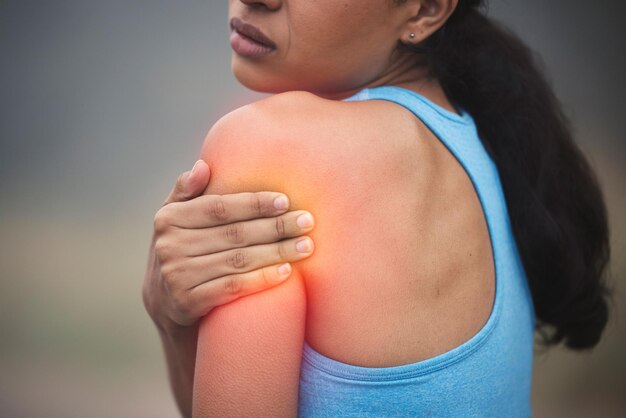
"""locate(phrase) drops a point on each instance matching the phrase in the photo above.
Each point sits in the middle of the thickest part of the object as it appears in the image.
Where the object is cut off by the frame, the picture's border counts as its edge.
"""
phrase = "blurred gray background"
(104, 103)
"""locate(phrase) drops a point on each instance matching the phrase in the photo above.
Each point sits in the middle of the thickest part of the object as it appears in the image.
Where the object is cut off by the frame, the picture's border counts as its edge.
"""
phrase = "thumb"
(190, 184)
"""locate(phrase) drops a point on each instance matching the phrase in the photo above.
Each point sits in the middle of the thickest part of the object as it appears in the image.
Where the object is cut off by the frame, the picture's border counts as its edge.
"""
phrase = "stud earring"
(411, 35)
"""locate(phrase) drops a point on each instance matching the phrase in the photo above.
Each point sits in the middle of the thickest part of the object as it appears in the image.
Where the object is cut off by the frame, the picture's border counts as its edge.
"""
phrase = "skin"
(333, 49)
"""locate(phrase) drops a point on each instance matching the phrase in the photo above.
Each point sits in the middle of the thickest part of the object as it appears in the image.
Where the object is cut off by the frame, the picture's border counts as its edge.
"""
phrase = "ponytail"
(555, 203)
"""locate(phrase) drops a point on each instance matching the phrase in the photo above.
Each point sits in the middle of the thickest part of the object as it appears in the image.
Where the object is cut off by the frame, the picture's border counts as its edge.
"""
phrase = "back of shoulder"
(274, 114)
(364, 139)
(305, 119)
(281, 121)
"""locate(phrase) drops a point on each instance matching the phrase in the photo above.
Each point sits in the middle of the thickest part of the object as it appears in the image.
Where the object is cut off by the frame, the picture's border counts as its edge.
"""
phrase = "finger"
(242, 260)
(231, 287)
(243, 234)
(212, 210)
(190, 184)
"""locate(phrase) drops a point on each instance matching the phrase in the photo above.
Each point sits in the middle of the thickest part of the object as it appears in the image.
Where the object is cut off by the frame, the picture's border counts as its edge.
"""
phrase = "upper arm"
(249, 353)
(249, 350)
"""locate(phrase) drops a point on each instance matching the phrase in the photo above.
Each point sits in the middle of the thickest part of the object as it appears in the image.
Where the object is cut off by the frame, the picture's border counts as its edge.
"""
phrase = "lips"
(251, 32)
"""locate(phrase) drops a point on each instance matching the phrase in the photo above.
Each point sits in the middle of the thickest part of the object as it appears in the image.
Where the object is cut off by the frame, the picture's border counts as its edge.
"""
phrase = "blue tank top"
(487, 376)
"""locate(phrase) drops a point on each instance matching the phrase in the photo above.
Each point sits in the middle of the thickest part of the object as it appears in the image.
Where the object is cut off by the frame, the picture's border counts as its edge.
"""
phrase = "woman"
(454, 216)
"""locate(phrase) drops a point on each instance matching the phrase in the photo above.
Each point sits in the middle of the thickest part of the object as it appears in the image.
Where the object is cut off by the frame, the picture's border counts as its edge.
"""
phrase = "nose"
(265, 4)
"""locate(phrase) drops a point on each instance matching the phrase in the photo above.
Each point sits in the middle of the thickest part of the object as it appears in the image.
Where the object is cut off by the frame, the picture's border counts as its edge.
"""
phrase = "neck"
(405, 71)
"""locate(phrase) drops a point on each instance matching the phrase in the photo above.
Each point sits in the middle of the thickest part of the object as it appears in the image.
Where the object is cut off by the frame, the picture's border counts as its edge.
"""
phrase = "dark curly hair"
(555, 203)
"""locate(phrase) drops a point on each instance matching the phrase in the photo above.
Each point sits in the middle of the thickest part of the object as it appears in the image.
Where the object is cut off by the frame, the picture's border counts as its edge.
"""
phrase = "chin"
(264, 80)
(263, 85)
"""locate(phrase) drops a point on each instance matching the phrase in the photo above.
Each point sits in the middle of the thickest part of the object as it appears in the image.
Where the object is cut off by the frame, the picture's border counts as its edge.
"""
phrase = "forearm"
(179, 342)
(180, 354)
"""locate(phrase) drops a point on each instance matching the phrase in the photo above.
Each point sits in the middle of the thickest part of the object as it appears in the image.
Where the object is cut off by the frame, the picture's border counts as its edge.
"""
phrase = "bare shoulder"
(271, 116)
(272, 128)
(278, 143)
(333, 158)
(302, 126)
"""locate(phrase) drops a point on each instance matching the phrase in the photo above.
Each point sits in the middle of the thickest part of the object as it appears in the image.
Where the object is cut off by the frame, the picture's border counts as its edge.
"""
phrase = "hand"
(208, 250)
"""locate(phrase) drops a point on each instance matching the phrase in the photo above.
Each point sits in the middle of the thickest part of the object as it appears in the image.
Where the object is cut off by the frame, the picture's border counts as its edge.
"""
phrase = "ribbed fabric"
(487, 376)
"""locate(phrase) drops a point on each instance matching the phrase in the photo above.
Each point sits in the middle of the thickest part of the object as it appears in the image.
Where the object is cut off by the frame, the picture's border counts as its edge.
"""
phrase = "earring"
(411, 35)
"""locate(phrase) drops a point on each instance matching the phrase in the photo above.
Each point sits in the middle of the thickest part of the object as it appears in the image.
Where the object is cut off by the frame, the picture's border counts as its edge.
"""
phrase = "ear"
(425, 17)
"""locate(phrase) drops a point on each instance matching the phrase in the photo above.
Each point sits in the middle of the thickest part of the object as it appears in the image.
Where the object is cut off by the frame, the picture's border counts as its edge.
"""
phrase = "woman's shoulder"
(303, 125)
(326, 152)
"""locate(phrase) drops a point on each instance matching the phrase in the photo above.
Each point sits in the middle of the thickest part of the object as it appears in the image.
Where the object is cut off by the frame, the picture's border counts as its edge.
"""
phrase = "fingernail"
(284, 270)
(281, 202)
(304, 245)
(305, 220)
(195, 166)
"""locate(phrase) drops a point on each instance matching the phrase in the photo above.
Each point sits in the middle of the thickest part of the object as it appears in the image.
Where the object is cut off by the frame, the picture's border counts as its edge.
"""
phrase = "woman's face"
(323, 46)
